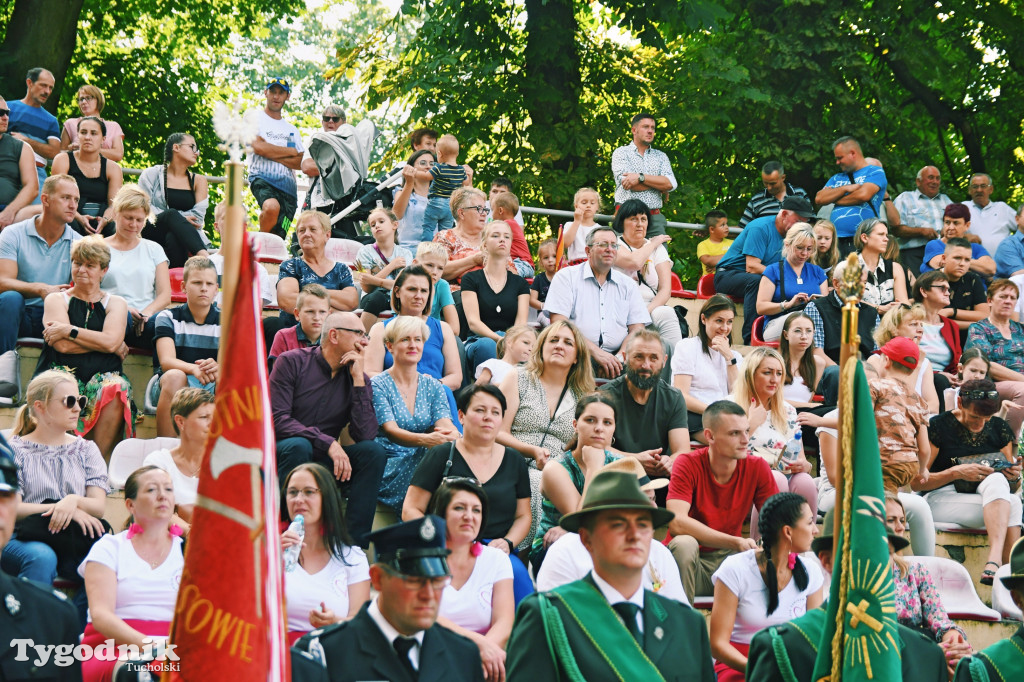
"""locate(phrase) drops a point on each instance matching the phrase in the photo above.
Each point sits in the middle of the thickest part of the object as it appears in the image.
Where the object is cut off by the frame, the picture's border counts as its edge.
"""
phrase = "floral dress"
(918, 604)
(1007, 352)
(431, 405)
(768, 437)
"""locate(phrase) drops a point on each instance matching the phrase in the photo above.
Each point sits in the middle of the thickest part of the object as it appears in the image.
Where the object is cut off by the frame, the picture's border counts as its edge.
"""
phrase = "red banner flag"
(229, 620)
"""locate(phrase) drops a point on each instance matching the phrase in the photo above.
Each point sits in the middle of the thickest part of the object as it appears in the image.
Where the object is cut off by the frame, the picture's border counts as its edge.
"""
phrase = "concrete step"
(971, 550)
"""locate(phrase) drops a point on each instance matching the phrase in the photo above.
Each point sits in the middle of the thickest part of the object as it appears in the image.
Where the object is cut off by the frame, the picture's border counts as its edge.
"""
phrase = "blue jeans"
(437, 216)
(480, 349)
(33, 560)
(524, 268)
(368, 460)
(41, 174)
(18, 320)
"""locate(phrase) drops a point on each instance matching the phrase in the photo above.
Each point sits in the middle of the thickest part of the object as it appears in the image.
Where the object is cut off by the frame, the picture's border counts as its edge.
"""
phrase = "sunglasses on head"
(979, 395)
(70, 400)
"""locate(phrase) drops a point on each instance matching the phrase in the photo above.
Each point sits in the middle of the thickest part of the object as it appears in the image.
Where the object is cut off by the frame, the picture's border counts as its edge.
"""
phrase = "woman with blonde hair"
(758, 390)
(63, 480)
(91, 101)
(465, 241)
(493, 298)
(787, 286)
(907, 321)
(826, 242)
(138, 267)
(84, 330)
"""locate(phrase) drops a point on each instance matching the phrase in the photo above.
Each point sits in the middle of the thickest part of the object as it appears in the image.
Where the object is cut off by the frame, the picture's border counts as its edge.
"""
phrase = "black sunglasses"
(979, 395)
(70, 400)
(5, 112)
(332, 119)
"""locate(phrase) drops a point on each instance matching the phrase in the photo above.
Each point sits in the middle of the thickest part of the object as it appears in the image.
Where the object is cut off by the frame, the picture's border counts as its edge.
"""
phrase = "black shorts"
(263, 190)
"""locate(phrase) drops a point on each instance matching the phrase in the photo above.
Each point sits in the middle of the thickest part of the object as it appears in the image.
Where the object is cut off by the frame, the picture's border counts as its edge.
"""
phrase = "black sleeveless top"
(92, 190)
(180, 199)
(84, 365)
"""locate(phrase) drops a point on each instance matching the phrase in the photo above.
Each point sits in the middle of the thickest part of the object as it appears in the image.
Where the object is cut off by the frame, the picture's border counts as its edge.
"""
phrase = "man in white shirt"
(395, 636)
(643, 173)
(568, 560)
(277, 154)
(604, 303)
(992, 221)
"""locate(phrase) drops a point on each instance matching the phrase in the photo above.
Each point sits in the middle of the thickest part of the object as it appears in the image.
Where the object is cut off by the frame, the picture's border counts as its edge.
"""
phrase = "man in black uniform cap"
(793, 646)
(29, 611)
(394, 637)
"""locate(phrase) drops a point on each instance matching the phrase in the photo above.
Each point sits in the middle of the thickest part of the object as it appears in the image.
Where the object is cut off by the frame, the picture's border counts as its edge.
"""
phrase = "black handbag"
(71, 545)
(995, 460)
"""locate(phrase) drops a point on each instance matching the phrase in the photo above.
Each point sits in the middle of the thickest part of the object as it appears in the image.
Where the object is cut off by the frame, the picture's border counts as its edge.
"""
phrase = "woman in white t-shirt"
(132, 578)
(705, 366)
(762, 587)
(192, 412)
(138, 267)
(478, 603)
(331, 580)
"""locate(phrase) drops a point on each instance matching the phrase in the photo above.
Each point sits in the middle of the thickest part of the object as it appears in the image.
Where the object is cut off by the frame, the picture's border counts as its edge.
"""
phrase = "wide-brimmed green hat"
(1015, 581)
(615, 490)
(824, 541)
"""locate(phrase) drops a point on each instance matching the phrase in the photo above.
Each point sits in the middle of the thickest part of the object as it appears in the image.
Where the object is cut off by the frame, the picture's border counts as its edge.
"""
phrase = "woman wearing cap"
(976, 495)
(940, 336)
(788, 285)
(1002, 339)
(907, 321)
(759, 588)
(500, 470)
(563, 485)
(918, 603)
(478, 604)
(331, 580)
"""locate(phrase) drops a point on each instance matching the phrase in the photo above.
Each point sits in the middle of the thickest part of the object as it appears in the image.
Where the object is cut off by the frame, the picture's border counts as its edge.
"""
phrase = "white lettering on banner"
(66, 654)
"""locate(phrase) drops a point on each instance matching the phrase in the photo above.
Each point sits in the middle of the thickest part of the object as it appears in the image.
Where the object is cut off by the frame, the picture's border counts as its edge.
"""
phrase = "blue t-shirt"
(937, 247)
(847, 218)
(442, 297)
(35, 122)
(811, 277)
(760, 239)
(1010, 255)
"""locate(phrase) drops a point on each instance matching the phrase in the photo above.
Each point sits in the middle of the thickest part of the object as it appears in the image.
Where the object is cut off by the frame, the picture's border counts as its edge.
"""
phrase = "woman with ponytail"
(132, 578)
(762, 587)
(63, 479)
(180, 199)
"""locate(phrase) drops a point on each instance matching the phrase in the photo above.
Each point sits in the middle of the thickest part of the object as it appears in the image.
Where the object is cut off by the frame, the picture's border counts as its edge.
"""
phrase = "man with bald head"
(991, 221)
(856, 191)
(314, 394)
(921, 212)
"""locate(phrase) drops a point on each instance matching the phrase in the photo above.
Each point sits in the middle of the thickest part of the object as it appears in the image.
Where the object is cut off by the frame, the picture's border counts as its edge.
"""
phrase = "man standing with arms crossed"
(35, 126)
(277, 154)
(643, 173)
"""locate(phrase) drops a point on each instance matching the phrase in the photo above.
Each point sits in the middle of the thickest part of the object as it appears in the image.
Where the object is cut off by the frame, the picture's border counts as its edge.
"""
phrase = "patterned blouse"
(459, 248)
(533, 424)
(768, 437)
(918, 604)
(1007, 352)
(339, 277)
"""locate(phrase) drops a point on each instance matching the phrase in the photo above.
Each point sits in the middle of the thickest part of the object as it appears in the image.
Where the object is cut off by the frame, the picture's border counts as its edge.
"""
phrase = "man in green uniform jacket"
(1004, 660)
(606, 626)
(29, 611)
(786, 653)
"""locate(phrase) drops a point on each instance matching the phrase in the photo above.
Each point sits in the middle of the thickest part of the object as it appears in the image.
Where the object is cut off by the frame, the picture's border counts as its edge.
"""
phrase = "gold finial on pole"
(236, 131)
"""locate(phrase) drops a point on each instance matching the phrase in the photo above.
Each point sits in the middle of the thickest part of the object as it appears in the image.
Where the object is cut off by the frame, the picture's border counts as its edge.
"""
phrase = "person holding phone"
(787, 285)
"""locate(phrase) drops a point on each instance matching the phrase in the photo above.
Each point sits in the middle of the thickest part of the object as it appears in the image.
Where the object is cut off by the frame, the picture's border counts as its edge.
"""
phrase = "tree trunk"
(40, 33)
(553, 86)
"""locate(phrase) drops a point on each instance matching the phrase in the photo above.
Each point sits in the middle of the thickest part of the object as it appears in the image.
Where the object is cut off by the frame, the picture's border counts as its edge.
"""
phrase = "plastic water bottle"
(792, 452)
(291, 555)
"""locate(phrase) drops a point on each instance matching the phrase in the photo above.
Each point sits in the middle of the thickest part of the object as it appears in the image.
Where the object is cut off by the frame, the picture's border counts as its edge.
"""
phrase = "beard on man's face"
(643, 379)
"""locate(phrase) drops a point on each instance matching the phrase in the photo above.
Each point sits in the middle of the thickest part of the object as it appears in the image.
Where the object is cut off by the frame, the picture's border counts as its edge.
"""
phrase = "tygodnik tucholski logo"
(155, 649)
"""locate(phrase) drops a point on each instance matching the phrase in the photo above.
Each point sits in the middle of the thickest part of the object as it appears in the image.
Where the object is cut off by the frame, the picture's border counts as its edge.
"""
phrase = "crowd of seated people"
(370, 408)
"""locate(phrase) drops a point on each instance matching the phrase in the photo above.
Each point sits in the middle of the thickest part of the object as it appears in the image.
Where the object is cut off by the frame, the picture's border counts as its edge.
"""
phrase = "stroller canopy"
(343, 158)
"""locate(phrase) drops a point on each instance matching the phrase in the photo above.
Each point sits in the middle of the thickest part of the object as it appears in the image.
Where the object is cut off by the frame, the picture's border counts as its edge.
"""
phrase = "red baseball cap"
(903, 351)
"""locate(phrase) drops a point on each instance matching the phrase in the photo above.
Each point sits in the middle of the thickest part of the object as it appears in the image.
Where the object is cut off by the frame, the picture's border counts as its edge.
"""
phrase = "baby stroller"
(343, 189)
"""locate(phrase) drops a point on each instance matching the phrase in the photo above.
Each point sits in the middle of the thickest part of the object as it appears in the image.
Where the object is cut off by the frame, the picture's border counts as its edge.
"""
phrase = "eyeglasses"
(980, 186)
(332, 119)
(70, 400)
(944, 289)
(5, 112)
(86, 98)
(194, 147)
(482, 210)
(603, 245)
(417, 582)
(358, 332)
(979, 395)
(457, 479)
(307, 493)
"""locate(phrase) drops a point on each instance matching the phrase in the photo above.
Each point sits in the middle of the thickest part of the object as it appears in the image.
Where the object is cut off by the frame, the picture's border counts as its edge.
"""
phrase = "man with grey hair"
(857, 191)
(991, 221)
(921, 212)
(827, 316)
(604, 303)
(769, 201)
(331, 119)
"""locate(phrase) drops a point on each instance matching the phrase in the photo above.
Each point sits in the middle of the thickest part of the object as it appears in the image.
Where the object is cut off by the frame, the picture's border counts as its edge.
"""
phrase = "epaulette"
(310, 646)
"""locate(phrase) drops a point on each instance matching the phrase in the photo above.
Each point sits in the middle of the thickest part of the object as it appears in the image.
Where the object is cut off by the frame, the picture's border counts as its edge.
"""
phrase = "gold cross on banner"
(860, 613)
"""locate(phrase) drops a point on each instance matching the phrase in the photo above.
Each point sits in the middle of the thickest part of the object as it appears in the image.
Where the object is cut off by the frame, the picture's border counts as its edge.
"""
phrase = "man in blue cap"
(395, 637)
(277, 154)
(606, 626)
(29, 611)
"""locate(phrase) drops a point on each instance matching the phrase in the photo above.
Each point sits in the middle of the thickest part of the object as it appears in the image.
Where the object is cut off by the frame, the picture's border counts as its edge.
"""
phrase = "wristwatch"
(642, 179)
(732, 361)
(73, 333)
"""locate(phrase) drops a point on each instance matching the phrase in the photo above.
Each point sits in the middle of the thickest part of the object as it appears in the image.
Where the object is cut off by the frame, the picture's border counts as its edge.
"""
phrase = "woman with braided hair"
(762, 587)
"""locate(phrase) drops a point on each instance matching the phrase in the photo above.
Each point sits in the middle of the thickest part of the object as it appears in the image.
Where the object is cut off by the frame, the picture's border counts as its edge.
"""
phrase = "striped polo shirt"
(447, 179)
(192, 341)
